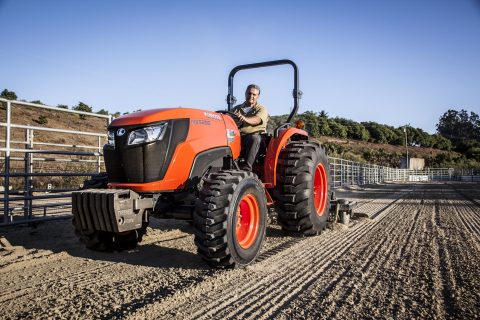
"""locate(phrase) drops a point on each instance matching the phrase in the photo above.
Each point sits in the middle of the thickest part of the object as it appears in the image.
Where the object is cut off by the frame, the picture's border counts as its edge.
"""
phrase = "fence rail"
(344, 173)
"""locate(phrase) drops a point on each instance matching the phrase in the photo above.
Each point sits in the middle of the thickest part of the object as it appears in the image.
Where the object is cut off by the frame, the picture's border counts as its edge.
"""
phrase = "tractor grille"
(147, 162)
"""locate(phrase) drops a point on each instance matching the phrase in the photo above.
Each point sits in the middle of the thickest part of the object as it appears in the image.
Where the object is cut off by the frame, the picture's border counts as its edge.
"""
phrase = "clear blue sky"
(393, 62)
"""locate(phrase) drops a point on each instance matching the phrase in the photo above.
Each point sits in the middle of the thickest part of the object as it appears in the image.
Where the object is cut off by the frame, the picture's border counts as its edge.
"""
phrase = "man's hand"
(253, 121)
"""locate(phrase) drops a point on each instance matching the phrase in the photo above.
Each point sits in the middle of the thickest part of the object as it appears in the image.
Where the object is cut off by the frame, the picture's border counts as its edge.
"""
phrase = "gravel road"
(417, 257)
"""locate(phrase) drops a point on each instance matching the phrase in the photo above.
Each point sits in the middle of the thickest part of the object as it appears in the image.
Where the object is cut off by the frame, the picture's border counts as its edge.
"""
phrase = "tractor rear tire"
(302, 193)
(104, 241)
(230, 219)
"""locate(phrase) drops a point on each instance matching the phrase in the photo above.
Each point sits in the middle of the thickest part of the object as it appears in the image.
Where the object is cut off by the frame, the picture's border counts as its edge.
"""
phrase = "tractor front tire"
(302, 193)
(230, 219)
(98, 181)
(104, 241)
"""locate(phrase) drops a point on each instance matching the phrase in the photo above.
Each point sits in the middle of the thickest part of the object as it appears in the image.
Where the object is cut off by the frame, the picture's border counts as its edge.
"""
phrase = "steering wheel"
(234, 116)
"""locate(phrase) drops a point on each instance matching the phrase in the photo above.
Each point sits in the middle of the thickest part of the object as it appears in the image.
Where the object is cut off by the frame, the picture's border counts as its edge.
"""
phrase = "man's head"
(251, 95)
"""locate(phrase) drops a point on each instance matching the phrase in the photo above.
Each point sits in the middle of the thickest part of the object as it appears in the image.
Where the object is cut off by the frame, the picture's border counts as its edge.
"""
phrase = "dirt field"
(417, 257)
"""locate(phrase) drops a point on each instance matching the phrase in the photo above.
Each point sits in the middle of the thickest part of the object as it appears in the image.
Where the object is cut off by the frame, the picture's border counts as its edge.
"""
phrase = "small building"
(413, 163)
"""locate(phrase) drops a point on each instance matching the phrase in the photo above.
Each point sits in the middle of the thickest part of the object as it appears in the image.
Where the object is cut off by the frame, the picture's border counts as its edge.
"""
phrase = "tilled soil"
(417, 257)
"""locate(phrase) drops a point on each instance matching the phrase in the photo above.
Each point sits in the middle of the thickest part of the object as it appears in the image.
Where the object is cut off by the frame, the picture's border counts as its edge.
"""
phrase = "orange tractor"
(184, 164)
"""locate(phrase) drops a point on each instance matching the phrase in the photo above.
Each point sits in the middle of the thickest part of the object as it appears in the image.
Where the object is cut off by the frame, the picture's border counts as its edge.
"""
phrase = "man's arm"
(253, 121)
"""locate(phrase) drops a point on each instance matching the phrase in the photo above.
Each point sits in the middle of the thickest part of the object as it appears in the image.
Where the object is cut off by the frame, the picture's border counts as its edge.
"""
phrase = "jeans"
(251, 145)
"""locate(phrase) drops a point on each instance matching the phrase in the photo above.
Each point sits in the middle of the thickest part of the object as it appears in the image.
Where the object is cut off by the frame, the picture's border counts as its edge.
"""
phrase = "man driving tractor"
(255, 117)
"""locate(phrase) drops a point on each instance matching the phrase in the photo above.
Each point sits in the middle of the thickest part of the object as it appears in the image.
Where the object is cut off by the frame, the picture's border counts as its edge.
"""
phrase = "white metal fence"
(23, 200)
(344, 173)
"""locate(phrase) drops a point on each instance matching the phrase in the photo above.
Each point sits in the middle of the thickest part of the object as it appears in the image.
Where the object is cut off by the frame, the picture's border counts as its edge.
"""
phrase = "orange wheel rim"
(320, 189)
(248, 221)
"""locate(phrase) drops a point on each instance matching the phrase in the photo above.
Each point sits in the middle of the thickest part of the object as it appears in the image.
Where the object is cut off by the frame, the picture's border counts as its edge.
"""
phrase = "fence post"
(30, 178)
(27, 168)
(6, 195)
(353, 174)
(98, 150)
(341, 172)
(361, 174)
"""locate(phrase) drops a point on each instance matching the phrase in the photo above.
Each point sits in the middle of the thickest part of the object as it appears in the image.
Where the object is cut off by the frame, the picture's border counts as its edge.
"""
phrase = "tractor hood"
(155, 115)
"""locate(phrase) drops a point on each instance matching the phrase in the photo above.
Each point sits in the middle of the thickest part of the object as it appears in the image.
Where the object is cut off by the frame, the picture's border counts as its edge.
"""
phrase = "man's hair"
(254, 86)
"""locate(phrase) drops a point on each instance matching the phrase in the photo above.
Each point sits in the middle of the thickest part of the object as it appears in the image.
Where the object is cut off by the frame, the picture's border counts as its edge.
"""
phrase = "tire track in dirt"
(394, 266)
(285, 277)
(378, 258)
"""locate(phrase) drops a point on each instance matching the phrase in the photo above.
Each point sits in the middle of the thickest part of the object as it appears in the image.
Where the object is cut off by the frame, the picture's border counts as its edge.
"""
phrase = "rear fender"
(274, 148)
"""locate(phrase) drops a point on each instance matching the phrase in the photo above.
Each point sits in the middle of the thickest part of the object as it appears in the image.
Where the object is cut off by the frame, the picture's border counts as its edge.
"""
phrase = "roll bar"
(297, 94)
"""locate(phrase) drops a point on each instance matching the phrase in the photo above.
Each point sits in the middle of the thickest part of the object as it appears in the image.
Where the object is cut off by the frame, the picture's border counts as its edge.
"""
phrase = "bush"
(9, 95)
(104, 112)
(473, 153)
(41, 120)
(82, 107)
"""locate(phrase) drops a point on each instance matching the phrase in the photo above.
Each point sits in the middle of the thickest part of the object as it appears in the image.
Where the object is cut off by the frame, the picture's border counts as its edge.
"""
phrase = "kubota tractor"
(184, 164)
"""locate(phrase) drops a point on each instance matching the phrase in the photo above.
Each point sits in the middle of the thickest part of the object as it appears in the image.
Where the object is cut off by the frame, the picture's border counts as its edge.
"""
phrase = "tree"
(354, 129)
(323, 127)
(311, 123)
(338, 130)
(323, 114)
(63, 106)
(9, 95)
(104, 112)
(37, 102)
(377, 132)
(458, 126)
(473, 153)
(442, 143)
(82, 107)
(466, 145)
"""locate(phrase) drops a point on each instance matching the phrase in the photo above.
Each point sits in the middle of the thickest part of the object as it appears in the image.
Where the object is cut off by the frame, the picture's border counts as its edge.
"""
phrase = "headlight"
(147, 134)
(111, 138)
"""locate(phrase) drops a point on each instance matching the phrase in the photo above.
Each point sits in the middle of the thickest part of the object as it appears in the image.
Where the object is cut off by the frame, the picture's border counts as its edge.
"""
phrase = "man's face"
(251, 96)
